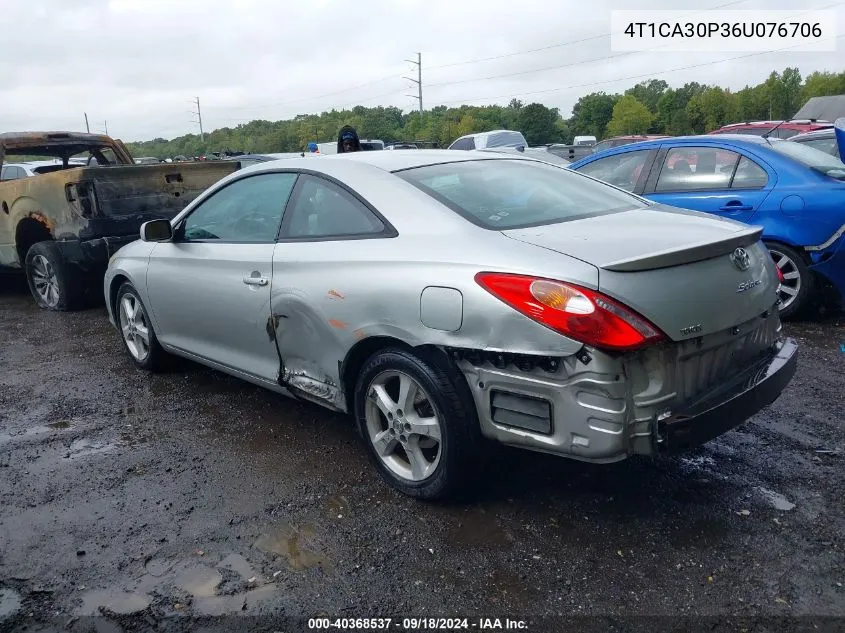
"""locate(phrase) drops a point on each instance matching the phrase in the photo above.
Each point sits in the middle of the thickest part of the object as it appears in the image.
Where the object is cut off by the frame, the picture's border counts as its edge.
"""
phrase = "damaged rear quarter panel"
(328, 296)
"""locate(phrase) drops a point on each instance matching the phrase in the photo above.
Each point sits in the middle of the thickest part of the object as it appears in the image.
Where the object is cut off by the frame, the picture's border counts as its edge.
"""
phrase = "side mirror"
(156, 231)
(520, 148)
(839, 130)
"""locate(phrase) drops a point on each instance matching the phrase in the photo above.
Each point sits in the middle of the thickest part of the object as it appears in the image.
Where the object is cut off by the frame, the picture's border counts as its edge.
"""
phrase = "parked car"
(495, 138)
(540, 153)
(618, 141)
(823, 139)
(445, 297)
(589, 141)
(85, 201)
(775, 129)
(792, 190)
(13, 171)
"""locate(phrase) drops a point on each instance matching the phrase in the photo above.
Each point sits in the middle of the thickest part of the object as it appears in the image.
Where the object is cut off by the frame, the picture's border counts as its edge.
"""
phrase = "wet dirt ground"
(161, 498)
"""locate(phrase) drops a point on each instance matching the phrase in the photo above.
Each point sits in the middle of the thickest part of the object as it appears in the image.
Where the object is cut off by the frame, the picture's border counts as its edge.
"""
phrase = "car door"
(627, 170)
(322, 282)
(712, 179)
(209, 288)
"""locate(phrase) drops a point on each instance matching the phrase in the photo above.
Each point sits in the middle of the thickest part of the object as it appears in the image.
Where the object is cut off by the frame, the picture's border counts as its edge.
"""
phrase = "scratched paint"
(340, 325)
(335, 294)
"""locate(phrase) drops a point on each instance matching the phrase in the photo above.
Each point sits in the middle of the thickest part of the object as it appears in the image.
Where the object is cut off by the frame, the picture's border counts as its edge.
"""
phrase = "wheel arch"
(29, 231)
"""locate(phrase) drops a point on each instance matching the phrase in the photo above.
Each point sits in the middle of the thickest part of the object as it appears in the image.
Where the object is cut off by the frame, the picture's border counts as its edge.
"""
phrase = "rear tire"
(136, 330)
(418, 427)
(54, 283)
(797, 289)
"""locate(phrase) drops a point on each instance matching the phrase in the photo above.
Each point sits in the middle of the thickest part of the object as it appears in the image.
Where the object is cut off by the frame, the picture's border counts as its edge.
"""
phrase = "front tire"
(416, 423)
(136, 330)
(797, 288)
(54, 283)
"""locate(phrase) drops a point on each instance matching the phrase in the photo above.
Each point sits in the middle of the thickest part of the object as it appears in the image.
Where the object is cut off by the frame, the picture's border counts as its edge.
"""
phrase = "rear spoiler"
(687, 254)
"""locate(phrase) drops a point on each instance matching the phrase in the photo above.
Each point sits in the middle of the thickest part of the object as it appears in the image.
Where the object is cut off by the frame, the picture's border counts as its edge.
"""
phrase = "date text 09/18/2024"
(418, 624)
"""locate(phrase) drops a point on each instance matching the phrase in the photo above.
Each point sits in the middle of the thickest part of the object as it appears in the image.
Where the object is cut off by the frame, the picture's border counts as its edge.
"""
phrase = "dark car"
(618, 141)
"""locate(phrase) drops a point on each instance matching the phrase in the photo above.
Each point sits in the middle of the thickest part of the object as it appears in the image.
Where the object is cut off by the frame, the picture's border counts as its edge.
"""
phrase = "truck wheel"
(797, 287)
(55, 284)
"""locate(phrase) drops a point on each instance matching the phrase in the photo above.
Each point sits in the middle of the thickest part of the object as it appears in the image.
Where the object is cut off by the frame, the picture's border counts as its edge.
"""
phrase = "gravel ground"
(165, 500)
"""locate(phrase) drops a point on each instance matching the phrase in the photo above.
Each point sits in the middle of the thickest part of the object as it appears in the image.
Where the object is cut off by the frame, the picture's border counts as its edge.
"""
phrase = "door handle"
(256, 281)
(736, 205)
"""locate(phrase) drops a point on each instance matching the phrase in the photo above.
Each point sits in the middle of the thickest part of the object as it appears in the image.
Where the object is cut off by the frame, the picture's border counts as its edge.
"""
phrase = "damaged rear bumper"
(588, 411)
(754, 389)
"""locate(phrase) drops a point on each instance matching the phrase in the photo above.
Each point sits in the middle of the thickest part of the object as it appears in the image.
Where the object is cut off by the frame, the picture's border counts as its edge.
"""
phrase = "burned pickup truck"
(69, 200)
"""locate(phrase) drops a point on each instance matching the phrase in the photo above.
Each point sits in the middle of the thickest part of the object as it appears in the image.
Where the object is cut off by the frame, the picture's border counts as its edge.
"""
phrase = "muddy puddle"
(296, 545)
(37, 431)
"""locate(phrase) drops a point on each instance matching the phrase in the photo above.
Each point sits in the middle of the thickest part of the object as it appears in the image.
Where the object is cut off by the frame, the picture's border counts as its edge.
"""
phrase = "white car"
(494, 138)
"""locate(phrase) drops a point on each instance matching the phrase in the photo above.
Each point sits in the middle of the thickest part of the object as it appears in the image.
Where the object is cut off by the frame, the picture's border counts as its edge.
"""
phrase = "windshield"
(811, 157)
(509, 194)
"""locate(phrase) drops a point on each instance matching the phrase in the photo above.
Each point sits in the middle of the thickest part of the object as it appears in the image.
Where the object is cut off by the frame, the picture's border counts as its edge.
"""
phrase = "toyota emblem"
(741, 259)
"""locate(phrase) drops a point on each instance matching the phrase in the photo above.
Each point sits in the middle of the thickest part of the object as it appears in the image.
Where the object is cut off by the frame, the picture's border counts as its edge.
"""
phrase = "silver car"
(446, 299)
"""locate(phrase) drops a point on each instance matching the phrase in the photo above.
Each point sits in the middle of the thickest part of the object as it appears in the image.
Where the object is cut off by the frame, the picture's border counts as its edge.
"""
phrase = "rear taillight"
(585, 315)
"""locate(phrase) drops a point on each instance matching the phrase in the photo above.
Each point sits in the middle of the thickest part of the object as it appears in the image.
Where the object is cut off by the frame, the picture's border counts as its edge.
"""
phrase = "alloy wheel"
(403, 425)
(790, 283)
(134, 326)
(44, 280)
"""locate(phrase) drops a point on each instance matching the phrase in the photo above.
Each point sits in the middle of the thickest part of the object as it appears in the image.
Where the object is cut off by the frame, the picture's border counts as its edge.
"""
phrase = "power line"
(462, 63)
(651, 74)
(562, 44)
(587, 61)
(314, 98)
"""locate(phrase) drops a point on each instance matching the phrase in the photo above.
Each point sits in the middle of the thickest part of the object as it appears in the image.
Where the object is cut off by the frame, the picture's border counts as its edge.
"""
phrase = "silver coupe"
(446, 299)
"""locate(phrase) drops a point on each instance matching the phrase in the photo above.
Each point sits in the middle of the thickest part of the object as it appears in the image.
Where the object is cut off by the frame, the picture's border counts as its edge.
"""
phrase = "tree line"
(649, 107)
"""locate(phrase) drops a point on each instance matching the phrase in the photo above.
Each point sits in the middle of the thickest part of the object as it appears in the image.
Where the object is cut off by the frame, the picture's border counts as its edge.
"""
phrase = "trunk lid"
(676, 268)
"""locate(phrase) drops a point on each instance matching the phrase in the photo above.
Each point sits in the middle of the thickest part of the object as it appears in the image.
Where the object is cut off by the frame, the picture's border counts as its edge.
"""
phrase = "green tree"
(592, 113)
(630, 116)
(649, 92)
(537, 123)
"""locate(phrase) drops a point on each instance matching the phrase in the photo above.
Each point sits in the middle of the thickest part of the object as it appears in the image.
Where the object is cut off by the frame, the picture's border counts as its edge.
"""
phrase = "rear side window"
(696, 169)
(749, 175)
(507, 194)
(464, 143)
(321, 209)
(621, 170)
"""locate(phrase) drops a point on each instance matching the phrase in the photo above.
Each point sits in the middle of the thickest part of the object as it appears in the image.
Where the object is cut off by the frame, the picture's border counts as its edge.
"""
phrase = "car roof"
(826, 132)
(340, 164)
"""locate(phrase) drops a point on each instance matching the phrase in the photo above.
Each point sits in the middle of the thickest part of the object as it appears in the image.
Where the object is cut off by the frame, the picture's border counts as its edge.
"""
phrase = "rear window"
(811, 157)
(509, 194)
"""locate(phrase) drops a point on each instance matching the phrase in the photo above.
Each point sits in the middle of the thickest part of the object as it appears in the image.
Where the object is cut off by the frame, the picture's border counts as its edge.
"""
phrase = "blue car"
(794, 191)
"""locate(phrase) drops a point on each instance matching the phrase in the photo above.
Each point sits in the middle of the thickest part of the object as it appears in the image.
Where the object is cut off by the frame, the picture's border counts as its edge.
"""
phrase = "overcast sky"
(138, 63)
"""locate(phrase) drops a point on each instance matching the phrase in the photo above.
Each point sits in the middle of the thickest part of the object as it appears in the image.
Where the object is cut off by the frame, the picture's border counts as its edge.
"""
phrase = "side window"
(19, 172)
(4, 173)
(9, 172)
(749, 175)
(783, 133)
(622, 170)
(248, 210)
(827, 145)
(696, 169)
(464, 143)
(321, 209)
